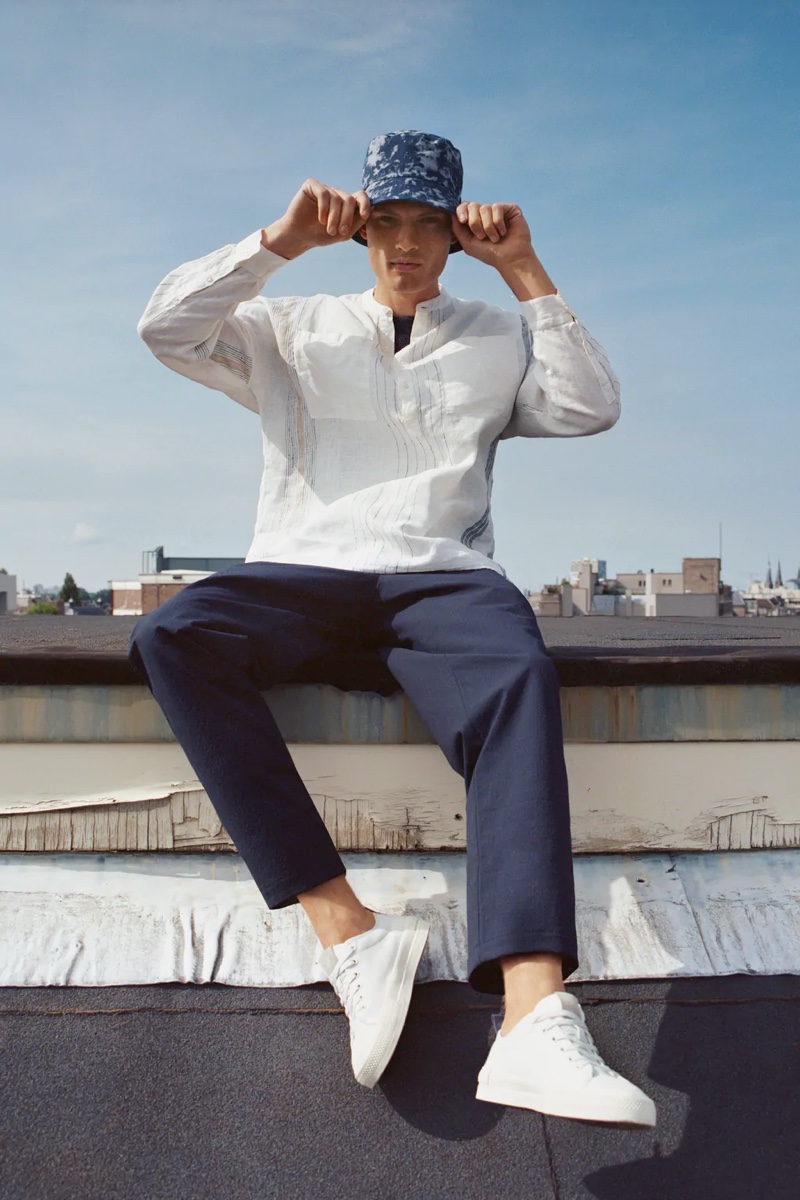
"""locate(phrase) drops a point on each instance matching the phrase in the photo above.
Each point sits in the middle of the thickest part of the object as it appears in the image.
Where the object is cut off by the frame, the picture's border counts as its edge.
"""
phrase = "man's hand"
(492, 233)
(498, 235)
(318, 215)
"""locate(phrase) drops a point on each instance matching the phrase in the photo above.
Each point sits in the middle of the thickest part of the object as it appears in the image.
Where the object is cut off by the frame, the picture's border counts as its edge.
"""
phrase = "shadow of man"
(731, 1044)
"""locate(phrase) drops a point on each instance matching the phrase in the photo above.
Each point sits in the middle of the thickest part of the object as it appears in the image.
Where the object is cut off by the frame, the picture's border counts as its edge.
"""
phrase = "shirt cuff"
(547, 312)
(254, 257)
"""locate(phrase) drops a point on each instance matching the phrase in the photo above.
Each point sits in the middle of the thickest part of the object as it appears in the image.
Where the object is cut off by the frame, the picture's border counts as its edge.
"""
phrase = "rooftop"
(171, 1090)
(219, 1093)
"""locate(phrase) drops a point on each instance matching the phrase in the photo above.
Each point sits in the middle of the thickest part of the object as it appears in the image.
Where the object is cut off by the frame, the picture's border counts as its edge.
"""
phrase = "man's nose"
(406, 241)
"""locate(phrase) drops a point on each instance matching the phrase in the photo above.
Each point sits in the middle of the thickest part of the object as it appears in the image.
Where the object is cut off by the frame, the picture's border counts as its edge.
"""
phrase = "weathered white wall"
(623, 796)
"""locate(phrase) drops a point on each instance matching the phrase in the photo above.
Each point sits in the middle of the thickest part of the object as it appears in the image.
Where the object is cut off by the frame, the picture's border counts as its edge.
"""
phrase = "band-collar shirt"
(375, 460)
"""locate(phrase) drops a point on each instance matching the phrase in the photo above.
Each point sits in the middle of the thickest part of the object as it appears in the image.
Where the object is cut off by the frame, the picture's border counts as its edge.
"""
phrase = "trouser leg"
(467, 650)
(206, 655)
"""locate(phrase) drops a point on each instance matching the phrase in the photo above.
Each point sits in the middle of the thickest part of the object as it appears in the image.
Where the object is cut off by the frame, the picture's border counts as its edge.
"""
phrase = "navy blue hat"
(410, 165)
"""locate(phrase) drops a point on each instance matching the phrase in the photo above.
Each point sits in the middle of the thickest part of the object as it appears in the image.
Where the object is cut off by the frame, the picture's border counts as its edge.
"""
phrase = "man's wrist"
(527, 278)
(281, 241)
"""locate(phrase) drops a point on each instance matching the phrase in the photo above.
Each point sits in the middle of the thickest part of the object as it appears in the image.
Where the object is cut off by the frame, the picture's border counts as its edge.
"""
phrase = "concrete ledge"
(323, 714)
(94, 766)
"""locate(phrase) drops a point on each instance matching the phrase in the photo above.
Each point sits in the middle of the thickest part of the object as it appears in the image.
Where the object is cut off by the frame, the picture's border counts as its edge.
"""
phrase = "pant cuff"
(485, 974)
(282, 895)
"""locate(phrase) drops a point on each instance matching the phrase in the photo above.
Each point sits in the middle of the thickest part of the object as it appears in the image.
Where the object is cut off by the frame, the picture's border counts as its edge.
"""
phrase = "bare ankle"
(335, 912)
(339, 932)
(527, 980)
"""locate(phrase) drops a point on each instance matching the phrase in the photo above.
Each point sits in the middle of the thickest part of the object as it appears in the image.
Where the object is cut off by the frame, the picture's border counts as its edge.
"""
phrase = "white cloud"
(356, 27)
(83, 534)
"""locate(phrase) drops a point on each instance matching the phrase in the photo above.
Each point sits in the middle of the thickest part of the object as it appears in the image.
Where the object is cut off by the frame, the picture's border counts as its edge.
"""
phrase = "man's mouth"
(404, 264)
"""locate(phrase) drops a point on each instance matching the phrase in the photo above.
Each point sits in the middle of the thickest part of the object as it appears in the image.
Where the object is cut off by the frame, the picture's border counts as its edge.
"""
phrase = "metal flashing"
(102, 920)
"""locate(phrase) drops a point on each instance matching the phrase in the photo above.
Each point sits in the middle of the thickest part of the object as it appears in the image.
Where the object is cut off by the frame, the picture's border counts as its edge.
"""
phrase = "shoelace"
(578, 1043)
(348, 986)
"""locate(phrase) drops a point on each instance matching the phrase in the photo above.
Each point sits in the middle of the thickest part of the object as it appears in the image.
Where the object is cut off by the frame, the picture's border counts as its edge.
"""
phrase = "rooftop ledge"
(587, 651)
(681, 735)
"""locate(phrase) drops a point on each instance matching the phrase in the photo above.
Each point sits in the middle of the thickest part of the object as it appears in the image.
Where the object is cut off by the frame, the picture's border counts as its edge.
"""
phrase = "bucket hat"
(411, 165)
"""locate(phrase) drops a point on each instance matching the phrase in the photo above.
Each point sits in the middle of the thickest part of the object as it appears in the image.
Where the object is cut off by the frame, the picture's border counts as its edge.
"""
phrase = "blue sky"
(653, 149)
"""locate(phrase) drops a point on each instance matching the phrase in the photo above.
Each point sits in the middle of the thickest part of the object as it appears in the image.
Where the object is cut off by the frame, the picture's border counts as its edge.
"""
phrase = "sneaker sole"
(560, 1104)
(395, 1013)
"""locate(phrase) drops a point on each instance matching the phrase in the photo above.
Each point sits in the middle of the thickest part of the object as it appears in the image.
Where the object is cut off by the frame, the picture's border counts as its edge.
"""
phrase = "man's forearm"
(277, 238)
(527, 278)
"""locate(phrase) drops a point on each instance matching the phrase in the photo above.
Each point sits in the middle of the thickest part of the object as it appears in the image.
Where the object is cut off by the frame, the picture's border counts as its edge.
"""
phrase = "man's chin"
(411, 281)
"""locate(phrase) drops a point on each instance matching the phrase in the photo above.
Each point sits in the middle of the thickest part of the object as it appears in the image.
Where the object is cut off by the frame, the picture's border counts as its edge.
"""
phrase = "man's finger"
(363, 202)
(334, 213)
(461, 233)
(498, 216)
(474, 220)
(347, 214)
(487, 220)
(323, 203)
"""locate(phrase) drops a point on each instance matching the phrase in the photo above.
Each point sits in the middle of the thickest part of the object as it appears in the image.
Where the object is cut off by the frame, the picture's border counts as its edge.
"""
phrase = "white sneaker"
(373, 974)
(549, 1062)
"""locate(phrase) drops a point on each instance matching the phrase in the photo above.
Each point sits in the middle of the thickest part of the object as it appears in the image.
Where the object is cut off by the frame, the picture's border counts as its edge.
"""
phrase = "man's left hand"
(496, 234)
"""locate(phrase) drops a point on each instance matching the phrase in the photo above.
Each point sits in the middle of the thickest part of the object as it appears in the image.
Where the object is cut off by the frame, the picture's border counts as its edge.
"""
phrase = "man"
(371, 567)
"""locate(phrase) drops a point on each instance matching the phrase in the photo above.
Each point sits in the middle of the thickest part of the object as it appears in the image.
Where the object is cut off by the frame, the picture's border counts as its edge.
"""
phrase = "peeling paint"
(623, 797)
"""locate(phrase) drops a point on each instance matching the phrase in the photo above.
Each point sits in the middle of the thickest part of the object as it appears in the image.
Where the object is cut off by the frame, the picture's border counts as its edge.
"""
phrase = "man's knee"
(537, 665)
(150, 628)
(141, 642)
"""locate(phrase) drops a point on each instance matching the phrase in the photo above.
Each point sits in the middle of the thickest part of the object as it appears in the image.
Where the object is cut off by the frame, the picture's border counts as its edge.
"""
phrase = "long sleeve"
(205, 322)
(569, 388)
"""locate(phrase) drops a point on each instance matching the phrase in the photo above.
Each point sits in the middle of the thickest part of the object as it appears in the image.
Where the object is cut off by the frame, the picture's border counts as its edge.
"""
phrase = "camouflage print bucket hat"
(410, 165)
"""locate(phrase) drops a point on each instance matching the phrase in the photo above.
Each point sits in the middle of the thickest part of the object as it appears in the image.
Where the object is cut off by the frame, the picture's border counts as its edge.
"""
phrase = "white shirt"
(375, 461)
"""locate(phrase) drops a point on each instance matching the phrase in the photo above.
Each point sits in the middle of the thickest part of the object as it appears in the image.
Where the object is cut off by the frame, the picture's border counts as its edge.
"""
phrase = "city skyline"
(650, 149)
(763, 579)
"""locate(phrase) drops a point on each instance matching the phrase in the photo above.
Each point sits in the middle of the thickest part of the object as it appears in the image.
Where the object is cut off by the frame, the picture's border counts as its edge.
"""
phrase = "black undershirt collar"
(402, 331)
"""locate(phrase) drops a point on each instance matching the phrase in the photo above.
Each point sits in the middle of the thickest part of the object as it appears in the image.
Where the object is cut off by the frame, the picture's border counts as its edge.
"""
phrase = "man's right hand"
(317, 216)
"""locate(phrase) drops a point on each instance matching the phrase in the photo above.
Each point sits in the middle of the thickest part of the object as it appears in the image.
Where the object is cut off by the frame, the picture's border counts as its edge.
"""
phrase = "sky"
(653, 149)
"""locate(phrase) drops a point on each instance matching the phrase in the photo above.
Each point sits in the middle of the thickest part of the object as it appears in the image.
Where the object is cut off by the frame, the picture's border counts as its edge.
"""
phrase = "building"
(126, 597)
(694, 591)
(8, 593)
(773, 598)
(160, 578)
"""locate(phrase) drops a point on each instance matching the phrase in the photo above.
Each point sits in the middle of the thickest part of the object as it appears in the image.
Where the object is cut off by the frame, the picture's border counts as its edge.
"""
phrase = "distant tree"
(69, 590)
(3, 571)
(85, 597)
(103, 596)
(45, 607)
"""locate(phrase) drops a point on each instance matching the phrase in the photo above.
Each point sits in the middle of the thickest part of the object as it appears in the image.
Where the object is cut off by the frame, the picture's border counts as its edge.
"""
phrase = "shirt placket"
(405, 373)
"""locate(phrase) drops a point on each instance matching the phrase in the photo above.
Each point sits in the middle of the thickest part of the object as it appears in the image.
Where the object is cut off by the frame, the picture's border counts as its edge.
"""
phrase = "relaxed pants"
(466, 649)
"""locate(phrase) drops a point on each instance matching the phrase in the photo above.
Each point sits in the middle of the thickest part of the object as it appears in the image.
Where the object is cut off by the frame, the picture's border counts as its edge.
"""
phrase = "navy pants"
(464, 646)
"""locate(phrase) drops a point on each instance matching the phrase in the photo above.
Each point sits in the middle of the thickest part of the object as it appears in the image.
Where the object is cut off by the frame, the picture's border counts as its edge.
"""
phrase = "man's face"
(408, 245)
